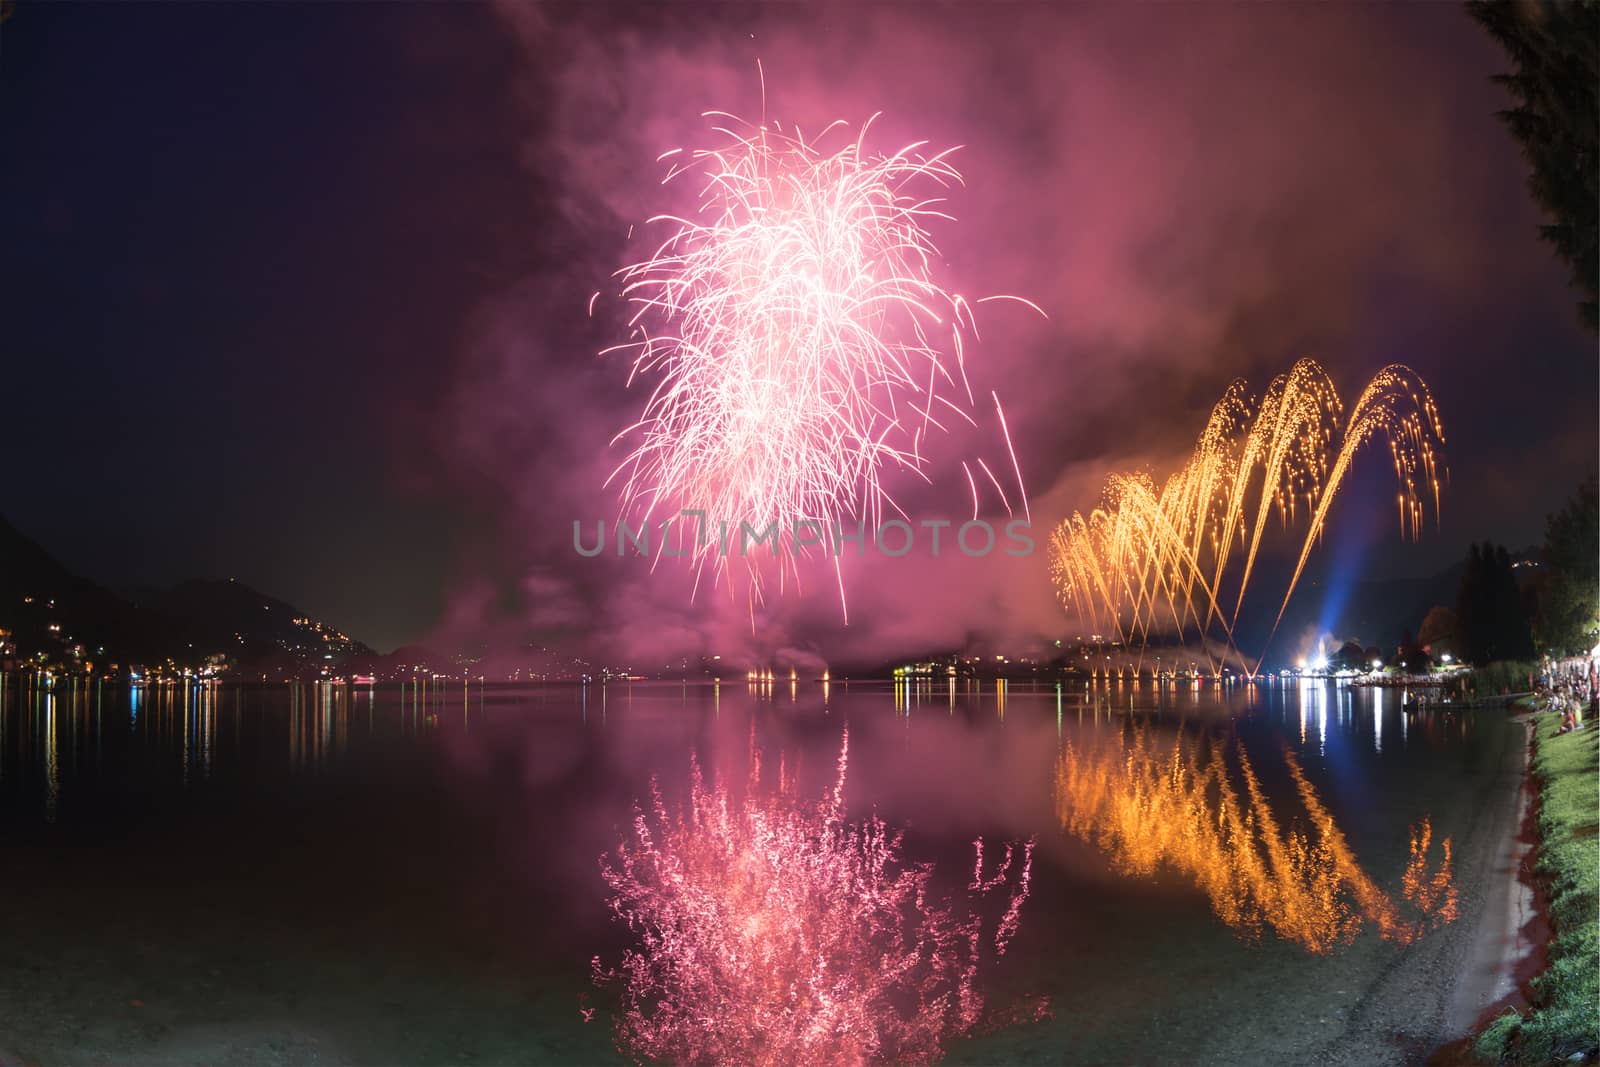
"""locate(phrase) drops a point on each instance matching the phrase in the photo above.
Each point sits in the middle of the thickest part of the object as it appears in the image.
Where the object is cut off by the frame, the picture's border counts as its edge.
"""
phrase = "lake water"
(330, 874)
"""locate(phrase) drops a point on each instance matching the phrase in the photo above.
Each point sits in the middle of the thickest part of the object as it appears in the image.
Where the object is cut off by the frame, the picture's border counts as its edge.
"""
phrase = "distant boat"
(363, 679)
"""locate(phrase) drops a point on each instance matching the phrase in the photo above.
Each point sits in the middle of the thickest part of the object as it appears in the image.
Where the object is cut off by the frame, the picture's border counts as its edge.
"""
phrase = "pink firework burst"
(773, 931)
(798, 343)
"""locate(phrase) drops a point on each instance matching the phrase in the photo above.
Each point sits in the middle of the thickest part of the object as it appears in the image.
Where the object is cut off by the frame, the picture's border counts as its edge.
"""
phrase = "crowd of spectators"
(1571, 688)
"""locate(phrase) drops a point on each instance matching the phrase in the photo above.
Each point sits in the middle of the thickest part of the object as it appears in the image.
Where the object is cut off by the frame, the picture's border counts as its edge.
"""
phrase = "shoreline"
(1511, 945)
(1422, 1004)
(1560, 1020)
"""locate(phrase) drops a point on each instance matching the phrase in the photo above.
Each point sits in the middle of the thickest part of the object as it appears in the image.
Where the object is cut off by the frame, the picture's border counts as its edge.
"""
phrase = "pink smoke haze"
(1190, 194)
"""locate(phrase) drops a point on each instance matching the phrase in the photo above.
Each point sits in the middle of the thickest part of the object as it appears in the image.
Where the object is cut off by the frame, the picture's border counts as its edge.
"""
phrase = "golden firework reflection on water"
(1198, 809)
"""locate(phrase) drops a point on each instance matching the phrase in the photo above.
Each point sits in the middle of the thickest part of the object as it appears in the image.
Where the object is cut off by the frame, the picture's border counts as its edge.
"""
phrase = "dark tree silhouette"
(1410, 656)
(1554, 47)
(1513, 636)
(1438, 631)
(1472, 610)
(1491, 621)
(1350, 657)
(1569, 599)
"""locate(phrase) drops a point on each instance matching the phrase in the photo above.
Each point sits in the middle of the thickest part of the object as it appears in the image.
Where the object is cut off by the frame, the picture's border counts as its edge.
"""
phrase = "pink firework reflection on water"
(772, 930)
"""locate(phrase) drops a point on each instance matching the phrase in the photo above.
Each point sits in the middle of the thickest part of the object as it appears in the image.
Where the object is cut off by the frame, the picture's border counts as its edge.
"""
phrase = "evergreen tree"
(1554, 46)
(1439, 631)
(1569, 601)
(1491, 621)
(1471, 613)
(1513, 636)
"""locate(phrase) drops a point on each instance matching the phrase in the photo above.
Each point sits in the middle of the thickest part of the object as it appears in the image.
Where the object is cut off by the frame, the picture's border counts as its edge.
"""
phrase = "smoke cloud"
(1192, 194)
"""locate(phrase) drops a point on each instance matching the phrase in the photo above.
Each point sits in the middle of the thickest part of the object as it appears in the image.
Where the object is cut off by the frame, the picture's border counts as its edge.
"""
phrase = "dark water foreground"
(321, 875)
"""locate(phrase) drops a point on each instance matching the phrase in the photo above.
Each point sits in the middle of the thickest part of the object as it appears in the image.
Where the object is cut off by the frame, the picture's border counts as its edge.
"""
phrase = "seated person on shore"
(1571, 709)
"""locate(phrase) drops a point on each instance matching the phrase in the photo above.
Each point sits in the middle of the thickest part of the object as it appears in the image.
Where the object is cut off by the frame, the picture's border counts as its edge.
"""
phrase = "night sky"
(296, 293)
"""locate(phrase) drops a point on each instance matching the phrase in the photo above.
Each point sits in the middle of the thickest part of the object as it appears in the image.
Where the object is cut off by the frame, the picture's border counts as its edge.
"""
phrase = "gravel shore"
(1442, 987)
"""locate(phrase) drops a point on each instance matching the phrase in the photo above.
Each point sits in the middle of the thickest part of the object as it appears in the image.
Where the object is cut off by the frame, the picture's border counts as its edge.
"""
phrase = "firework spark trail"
(1152, 555)
(794, 333)
(772, 930)
(1150, 809)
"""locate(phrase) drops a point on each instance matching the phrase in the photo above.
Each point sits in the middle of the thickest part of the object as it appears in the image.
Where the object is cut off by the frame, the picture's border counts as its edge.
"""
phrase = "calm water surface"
(357, 875)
